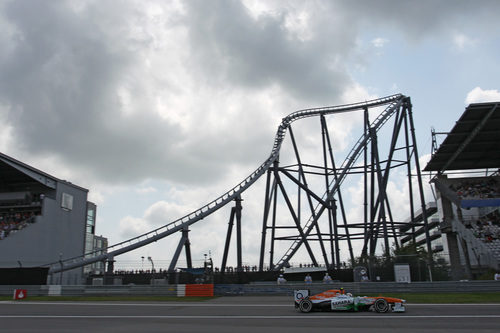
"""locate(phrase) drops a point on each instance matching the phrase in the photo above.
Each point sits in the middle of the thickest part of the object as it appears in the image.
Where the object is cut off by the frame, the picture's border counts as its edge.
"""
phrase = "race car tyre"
(381, 305)
(305, 305)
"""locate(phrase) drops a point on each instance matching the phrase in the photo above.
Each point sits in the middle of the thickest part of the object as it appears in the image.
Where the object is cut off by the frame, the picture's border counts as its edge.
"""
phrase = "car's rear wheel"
(305, 305)
(381, 305)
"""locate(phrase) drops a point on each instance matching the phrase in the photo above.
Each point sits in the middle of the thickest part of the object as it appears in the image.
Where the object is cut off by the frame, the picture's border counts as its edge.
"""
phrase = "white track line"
(452, 304)
(181, 304)
(150, 304)
(305, 317)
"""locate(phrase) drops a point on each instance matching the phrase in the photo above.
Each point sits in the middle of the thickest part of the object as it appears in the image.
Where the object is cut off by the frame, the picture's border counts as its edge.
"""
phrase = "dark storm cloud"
(60, 87)
(60, 84)
(422, 19)
(256, 53)
(63, 65)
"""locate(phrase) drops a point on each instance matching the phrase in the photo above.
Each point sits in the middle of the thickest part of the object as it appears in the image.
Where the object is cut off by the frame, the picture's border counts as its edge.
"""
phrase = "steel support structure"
(235, 215)
(184, 242)
(333, 234)
(304, 204)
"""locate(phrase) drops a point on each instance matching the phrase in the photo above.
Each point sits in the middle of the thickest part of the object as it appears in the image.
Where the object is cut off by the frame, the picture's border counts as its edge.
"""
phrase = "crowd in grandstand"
(229, 269)
(487, 228)
(12, 222)
(477, 189)
(18, 210)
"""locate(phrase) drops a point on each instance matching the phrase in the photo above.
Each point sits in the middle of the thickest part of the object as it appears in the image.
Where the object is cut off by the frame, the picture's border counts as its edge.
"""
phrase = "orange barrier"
(199, 289)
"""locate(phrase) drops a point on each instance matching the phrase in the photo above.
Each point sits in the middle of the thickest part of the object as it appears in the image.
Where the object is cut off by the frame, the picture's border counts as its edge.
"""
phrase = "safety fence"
(359, 288)
(269, 289)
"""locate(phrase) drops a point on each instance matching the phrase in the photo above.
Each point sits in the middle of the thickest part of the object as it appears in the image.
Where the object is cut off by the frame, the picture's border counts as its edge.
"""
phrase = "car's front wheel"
(381, 305)
(305, 305)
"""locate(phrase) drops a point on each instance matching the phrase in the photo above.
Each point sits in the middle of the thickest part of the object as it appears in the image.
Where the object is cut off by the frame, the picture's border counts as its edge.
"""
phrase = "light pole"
(152, 270)
(152, 264)
(61, 263)
(142, 265)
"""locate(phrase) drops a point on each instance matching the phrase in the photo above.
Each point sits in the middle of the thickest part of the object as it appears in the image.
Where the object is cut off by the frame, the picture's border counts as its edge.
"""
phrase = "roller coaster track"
(394, 102)
(334, 185)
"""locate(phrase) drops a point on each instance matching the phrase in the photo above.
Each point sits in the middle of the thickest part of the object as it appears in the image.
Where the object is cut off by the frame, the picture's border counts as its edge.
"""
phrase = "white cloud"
(162, 212)
(478, 95)
(96, 197)
(146, 190)
(357, 93)
(158, 214)
(379, 42)
(131, 227)
(6, 139)
(462, 41)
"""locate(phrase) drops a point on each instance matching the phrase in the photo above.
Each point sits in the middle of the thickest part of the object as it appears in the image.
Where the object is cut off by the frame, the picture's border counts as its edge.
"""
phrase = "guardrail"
(359, 288)
(84, 290)
(257, 289)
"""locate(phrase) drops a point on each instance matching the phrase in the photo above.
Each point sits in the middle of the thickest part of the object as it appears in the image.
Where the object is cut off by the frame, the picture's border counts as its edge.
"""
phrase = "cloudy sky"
(157, 107)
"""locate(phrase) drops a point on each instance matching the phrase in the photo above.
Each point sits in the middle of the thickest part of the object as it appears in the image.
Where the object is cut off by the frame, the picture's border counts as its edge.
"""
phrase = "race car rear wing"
(301, 294)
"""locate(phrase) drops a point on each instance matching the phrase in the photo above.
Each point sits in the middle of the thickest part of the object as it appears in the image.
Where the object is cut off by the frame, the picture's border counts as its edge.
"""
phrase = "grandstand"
(466, 177)
(43, 219)
(415, 232)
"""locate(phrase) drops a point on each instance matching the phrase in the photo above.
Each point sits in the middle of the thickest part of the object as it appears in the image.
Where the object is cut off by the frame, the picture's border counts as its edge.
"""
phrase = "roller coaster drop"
(325, 205)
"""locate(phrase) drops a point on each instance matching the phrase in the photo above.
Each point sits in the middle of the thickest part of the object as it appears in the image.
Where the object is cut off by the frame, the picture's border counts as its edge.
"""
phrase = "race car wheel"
(381, 305)
(305, 305)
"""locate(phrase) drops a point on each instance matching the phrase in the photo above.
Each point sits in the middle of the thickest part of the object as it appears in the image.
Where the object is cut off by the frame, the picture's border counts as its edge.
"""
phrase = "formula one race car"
(338, 300)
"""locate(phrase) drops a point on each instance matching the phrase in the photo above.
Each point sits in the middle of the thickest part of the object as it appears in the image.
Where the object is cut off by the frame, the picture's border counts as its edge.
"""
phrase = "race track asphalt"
(238, 314)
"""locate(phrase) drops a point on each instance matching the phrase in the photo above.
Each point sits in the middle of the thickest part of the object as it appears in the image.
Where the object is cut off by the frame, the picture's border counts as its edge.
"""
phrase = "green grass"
(450, 298)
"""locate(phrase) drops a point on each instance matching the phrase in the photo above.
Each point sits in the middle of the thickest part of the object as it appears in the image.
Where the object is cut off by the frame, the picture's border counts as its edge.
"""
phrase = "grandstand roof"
(14, 171)
(473, 143)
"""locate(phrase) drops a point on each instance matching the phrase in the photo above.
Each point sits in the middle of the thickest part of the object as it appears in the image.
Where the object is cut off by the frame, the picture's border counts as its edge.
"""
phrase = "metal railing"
(262, 289)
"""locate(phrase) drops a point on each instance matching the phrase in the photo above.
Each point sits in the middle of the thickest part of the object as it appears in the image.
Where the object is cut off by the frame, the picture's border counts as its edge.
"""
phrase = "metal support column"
(183, 242)
(235, 212)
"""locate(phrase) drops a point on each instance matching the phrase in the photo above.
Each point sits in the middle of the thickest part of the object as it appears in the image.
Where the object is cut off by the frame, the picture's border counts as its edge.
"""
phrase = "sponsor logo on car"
(341, 301)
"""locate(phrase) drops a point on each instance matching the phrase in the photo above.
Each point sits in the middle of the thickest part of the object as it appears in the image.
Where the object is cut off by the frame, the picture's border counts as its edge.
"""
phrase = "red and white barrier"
(190, 290)
(20, 294)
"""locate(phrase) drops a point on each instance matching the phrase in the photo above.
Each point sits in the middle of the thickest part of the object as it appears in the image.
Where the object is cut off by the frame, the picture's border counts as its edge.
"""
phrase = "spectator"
(476, 188)
(281, 279)
(308, 279)
(327, 278)
(497, 276)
